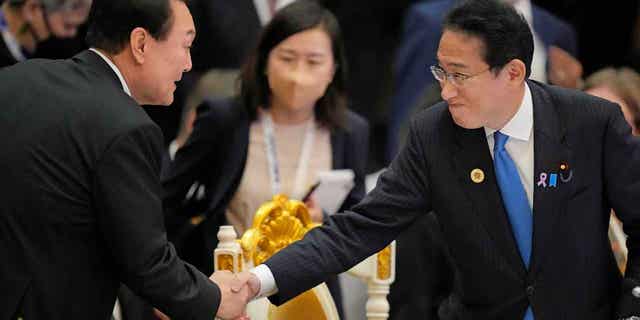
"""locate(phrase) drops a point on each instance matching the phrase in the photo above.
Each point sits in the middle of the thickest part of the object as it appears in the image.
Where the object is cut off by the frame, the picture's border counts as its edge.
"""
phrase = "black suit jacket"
(81, 209)
(572, 275)
(215, 156)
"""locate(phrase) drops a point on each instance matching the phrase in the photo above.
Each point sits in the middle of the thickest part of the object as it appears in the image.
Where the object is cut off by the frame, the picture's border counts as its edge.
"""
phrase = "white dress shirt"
(173, 149)
(519, 146)
(520, 143)
(267, 281)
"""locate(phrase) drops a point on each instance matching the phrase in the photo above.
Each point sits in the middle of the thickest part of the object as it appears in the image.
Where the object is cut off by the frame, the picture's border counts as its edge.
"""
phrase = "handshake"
(236, 290)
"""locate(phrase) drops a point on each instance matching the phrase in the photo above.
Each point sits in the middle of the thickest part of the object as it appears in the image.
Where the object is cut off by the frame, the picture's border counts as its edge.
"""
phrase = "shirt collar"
(115, 69)
(519, 127)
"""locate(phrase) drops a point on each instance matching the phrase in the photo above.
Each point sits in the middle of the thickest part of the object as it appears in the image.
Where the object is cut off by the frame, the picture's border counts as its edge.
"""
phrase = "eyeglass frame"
(451, 77)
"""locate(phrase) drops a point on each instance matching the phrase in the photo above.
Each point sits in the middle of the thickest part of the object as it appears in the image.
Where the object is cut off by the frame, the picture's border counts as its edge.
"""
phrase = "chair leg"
(377, 304)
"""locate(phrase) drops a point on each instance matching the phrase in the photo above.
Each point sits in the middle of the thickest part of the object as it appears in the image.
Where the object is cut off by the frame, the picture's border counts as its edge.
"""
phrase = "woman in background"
(289, 123)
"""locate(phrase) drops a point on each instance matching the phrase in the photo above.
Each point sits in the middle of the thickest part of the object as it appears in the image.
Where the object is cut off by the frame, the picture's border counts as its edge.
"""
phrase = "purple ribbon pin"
(543, 180)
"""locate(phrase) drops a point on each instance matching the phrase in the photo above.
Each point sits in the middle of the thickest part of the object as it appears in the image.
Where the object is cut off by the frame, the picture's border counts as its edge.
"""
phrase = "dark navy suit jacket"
(572, 274)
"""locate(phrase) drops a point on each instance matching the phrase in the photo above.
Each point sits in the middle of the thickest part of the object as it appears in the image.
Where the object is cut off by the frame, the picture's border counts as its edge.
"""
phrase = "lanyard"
(12, 43)
(303, 161)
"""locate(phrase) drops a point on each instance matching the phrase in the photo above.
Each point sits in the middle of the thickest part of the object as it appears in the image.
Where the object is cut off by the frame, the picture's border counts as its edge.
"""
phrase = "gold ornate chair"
(277, 224)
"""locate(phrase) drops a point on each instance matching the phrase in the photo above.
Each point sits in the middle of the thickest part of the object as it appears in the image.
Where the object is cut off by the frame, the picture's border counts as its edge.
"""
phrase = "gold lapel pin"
(477, 175)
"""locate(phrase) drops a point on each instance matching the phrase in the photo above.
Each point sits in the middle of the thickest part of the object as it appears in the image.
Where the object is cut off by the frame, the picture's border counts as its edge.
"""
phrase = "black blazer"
(572, 275)
(215, 156)
(81, 209)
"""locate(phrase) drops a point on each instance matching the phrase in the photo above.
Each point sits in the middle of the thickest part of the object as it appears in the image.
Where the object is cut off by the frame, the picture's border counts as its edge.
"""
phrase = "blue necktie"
(515, 201)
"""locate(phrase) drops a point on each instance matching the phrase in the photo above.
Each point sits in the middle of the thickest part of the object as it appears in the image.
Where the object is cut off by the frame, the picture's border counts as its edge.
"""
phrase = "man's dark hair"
(111, 21)
(297, 17)
(503, 31)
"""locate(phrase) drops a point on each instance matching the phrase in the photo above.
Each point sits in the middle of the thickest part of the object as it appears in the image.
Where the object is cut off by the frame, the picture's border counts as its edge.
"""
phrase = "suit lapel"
(550, 151)
(473, 153)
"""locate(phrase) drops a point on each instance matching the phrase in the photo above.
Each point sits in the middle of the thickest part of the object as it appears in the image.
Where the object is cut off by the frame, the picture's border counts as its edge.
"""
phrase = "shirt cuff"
(267, 281)
(173, 149)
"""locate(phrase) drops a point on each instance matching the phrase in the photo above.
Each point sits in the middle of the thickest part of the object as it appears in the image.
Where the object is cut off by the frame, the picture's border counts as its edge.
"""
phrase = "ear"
(516, 71)
(139, 42)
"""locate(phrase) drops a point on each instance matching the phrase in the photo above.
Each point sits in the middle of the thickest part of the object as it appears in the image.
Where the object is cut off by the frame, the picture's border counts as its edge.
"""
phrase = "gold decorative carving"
(225, 262)
(277, 224)
(306, 306)
(384, 263)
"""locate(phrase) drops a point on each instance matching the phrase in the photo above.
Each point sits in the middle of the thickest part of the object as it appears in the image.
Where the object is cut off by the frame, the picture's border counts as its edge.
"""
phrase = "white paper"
(334, 187)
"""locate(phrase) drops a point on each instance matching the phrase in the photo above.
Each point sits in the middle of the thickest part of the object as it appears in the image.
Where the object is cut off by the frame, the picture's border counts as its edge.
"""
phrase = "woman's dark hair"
(503, 31)
(297, 17)
(111, 21)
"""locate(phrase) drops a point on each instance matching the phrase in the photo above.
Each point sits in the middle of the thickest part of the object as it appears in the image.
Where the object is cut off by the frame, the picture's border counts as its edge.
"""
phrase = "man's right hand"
(235, 293)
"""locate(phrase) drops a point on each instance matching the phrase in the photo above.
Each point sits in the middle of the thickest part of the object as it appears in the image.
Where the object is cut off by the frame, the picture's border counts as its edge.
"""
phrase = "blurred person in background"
(622, 86)
(232, 29)
(605, 30)
(289, 123)
(215, 84)
(26, 23)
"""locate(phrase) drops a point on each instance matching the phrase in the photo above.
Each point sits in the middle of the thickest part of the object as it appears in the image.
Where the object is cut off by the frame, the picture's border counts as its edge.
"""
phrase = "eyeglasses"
(455, 78)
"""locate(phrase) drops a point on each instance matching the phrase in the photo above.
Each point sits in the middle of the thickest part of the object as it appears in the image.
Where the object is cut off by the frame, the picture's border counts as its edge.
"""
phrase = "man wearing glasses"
(521, 175)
